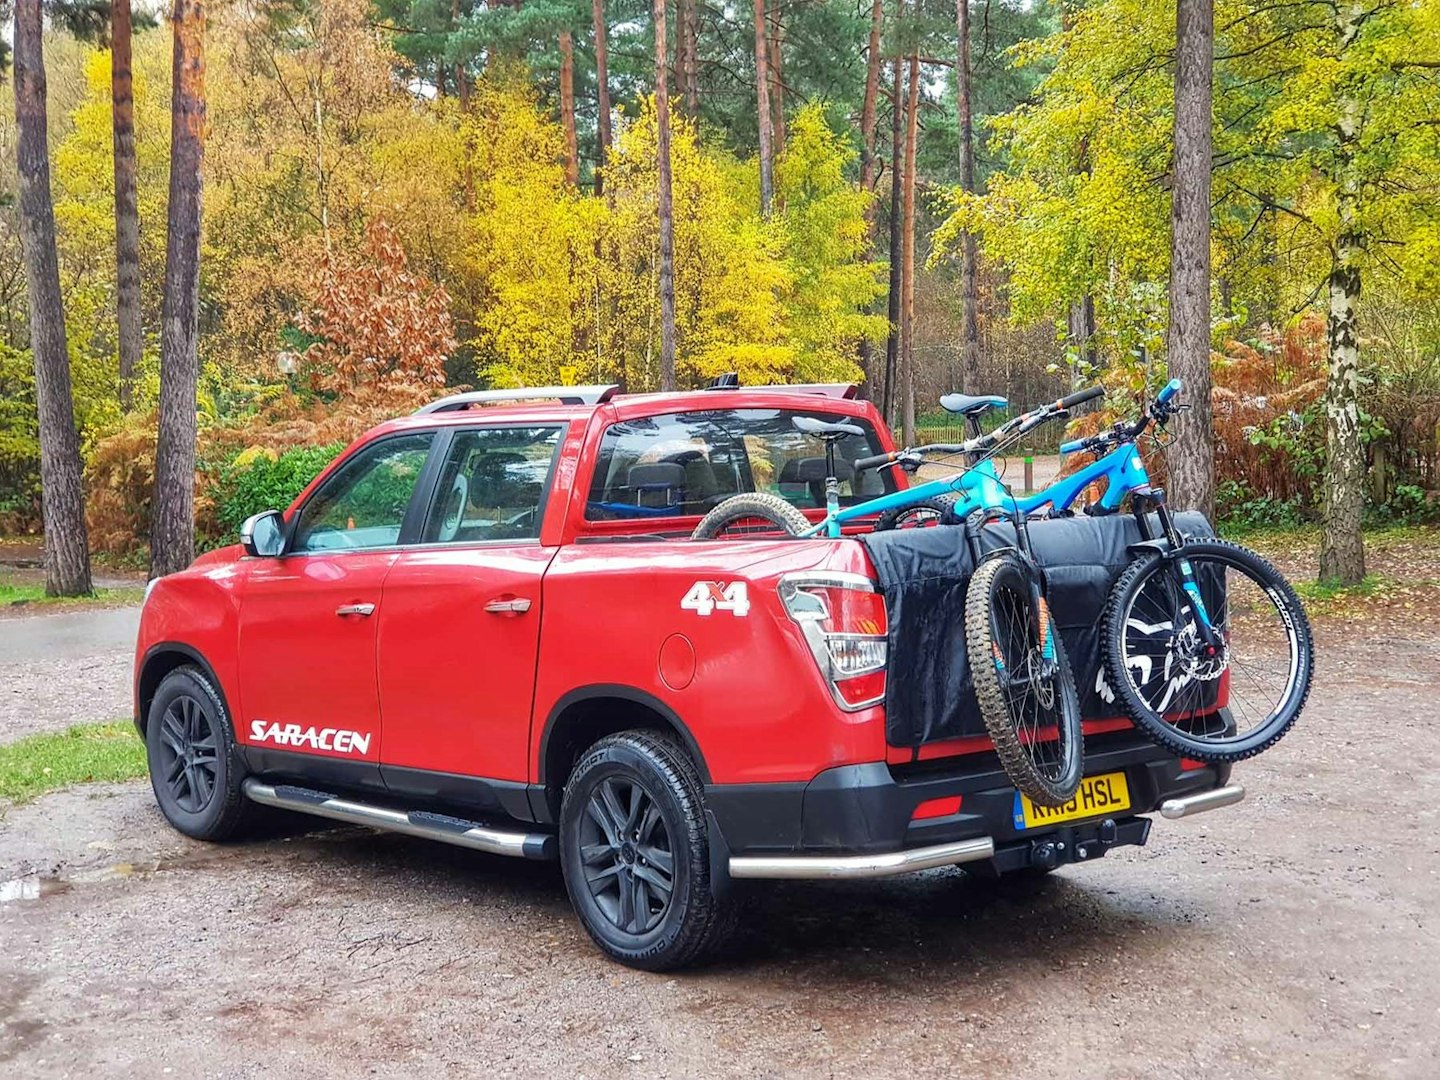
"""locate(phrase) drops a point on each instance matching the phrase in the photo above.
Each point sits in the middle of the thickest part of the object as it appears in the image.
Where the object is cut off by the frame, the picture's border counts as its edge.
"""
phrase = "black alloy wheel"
(188, 754)
(628, 855)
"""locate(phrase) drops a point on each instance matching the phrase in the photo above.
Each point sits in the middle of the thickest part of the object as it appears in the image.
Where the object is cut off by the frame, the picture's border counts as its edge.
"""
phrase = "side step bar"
(447, 830)
(1198, 804)
(882, 864)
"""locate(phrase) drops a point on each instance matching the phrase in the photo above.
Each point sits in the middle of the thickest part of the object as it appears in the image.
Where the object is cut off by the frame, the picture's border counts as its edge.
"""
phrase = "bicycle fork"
(1048, 663)
(1171, 547)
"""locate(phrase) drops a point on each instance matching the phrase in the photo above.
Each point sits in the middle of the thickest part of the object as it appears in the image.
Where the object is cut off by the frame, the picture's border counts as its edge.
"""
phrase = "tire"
(1137, 607)
(677, 928)
(1000, 637)
(770, 512)
(199, 792)
(936, 510)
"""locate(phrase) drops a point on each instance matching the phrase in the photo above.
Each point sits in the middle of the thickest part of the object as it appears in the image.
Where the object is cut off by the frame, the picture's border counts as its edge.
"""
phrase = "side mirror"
(263, 534)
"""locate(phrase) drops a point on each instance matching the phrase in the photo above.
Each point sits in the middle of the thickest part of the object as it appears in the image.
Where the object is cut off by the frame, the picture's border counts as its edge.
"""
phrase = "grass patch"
(1322, 591)
(24, 594)
(87, 753)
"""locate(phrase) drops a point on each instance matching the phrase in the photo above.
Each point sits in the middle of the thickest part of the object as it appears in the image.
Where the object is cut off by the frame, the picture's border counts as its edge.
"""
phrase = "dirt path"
(1297, 935)
(70, 667)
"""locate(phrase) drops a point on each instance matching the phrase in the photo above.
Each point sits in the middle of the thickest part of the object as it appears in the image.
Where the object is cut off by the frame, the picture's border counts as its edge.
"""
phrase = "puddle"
(31, 887)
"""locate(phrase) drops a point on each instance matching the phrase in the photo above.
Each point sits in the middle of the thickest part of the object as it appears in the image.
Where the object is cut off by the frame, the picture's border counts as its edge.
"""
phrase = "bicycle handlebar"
(861, 464)
(1080, 397)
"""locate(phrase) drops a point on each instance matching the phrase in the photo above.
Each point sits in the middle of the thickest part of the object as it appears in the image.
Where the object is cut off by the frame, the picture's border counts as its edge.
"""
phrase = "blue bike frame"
(1122, 469)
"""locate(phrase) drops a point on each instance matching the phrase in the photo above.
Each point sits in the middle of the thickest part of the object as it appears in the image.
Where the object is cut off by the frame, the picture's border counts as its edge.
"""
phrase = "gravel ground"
(72, 667)
(1293, 936)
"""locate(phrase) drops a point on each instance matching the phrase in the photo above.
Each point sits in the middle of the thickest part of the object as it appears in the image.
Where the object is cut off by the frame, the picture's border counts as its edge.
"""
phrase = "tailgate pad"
(924, 574)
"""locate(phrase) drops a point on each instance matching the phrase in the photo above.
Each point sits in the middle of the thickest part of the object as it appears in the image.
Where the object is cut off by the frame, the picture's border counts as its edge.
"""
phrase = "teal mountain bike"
(1021, 676)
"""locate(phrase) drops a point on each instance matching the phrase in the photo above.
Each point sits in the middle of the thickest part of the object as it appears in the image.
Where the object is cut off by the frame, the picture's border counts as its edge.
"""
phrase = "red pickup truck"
(485, 624)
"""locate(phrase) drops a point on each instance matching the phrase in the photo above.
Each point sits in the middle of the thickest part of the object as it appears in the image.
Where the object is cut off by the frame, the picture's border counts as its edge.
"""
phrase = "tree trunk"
(776, 57)
(666, 203)
(1191, 457)
(1080, 321)
(689, 57)
(868, 175)
(62, 496)
(602, 85)
(172, 520)
(567, 107)
(127, 214)
(462, 79)
(897, 232)
(762, 111)
(1342, 548)
(868, 169)
(907, 317)
(969, 272)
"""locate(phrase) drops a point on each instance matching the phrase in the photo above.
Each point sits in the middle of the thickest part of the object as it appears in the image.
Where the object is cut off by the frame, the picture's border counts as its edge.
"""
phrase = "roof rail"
(566, 395)
(835, 390)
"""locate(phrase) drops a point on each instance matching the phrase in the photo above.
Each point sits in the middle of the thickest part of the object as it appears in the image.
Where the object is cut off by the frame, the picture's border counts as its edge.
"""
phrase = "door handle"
(508, 605)
(355, 609)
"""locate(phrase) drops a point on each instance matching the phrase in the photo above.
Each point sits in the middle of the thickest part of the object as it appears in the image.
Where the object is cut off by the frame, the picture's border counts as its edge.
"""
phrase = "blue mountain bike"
(1191, 621)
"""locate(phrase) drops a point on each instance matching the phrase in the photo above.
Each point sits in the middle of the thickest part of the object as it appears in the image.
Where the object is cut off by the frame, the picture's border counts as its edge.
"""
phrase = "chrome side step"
(447, 830)
(882, 864)
(1198, 804)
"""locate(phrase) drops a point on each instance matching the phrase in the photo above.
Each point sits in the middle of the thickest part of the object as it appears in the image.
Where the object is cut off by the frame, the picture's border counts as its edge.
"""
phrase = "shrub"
(259, 480)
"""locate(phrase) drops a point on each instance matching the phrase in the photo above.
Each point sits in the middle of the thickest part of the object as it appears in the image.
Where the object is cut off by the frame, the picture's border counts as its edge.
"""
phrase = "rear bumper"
(858, 820)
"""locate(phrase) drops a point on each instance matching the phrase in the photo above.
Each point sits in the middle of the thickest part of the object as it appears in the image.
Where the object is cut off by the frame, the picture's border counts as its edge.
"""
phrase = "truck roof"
(575, 403)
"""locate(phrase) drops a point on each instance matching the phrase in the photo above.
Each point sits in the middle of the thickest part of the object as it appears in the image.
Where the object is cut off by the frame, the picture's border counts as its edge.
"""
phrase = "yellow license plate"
(1098, 796)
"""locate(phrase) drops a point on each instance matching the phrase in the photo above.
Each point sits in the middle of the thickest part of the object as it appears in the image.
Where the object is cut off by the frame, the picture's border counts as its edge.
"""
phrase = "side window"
(492, 485)
(363, 504)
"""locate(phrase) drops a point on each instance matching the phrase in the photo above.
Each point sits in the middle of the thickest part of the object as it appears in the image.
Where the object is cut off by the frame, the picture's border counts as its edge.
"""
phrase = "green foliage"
(261, 481)
(84, 754)
(19, 440)
(1241, 511)
(1408, 505)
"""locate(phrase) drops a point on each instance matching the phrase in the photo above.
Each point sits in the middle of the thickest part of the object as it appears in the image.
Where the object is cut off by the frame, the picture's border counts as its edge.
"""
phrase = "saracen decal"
(340, 740)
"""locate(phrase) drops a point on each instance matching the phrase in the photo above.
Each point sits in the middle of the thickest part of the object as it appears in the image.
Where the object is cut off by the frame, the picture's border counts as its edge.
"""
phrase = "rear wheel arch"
(160, 660)
(587, 714)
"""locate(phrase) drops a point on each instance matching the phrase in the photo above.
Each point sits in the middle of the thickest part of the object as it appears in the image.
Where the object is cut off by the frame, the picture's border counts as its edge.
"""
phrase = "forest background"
(403, 195)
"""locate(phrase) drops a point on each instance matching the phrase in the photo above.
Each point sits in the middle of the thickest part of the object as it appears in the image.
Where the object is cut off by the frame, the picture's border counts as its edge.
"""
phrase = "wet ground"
(1296, 935)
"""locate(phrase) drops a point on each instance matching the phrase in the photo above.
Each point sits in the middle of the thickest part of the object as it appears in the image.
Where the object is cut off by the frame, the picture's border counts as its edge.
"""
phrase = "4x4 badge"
(705, 597)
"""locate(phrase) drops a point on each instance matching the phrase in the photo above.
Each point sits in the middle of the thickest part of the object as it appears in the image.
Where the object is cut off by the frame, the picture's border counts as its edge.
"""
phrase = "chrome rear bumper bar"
(881, 864)
(1198, 804)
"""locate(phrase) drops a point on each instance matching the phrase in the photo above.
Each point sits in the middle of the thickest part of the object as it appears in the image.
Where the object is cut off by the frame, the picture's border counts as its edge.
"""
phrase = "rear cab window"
(680, 465)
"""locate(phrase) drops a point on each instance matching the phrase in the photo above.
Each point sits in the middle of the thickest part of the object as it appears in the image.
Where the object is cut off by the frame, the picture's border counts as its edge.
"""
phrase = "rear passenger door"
(460, 623)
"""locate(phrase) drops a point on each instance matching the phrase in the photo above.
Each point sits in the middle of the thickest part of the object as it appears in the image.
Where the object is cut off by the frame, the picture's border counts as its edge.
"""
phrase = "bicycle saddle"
(821, 430)
(966, 405)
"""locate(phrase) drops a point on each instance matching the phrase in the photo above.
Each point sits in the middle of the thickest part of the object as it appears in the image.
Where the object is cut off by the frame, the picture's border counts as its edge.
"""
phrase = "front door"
(459, 620)
(308, 618)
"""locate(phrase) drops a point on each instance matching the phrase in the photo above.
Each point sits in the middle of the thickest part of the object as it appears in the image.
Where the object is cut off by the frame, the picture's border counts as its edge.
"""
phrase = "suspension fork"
(1172, 549)
(1035, 579)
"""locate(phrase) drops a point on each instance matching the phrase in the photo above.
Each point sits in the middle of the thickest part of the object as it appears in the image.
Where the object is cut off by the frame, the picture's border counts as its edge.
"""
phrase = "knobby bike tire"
(1004, 573)
(1222, 747)
(749, 507)
(941, 506)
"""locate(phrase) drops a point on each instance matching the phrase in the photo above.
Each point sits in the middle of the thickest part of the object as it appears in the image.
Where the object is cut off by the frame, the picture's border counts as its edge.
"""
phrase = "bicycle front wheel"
(1212, 704)
(1023, 682)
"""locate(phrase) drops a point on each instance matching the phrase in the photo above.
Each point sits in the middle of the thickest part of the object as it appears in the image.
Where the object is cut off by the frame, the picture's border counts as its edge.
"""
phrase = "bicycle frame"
(980, 485)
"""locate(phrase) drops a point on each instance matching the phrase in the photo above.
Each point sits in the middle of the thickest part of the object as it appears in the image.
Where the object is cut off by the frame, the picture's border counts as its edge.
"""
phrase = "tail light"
(843, 620)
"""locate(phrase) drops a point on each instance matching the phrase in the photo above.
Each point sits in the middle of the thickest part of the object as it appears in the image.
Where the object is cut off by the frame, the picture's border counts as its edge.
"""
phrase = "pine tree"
(67, 549)
(172, 522)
